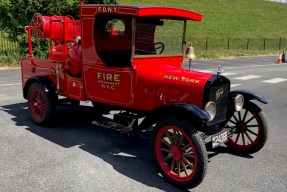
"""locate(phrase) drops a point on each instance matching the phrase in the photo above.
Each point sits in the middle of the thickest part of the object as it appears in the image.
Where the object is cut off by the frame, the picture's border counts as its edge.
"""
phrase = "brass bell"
(190, 53)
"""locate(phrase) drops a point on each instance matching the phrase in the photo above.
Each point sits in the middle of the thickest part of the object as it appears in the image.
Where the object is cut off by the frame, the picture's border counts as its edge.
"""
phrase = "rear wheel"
(180, 153)
(249, 128)
(40, 104)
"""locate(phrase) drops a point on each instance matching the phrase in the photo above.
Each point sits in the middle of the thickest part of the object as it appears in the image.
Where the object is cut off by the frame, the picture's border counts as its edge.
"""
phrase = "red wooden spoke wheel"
(180, 153)
(37, 104)
(249, 128)
(40, 105)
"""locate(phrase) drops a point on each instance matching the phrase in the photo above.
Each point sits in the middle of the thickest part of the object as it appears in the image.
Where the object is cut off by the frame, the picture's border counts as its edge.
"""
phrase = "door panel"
(109, 85)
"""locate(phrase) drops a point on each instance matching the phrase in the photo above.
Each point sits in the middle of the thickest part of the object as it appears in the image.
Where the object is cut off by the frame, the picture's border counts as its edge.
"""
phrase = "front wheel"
(40, 104)
(249, 128)
(180, 153)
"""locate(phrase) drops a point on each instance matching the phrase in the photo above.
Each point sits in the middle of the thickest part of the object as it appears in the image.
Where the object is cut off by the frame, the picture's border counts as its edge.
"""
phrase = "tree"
(15, 15)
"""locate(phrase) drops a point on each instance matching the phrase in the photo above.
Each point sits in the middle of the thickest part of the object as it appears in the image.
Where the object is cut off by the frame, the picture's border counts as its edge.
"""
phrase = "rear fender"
(190, 113)
(45, 82)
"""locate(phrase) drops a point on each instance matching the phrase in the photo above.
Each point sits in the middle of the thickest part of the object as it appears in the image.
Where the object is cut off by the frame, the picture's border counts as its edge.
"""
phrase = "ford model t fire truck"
(128, 59)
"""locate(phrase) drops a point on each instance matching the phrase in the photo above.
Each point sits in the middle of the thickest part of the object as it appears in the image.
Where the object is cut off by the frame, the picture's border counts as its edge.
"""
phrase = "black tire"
(41, 106)
(249, 128)
(179, 153)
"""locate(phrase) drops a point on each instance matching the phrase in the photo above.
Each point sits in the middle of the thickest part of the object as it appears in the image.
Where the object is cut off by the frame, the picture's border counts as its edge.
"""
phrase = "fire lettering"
(110, 87)
(108, 9)
(108, 77)
(108, 80)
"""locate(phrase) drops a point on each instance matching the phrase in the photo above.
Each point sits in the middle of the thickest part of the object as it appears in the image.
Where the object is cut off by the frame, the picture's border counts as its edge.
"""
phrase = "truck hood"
(174, 84)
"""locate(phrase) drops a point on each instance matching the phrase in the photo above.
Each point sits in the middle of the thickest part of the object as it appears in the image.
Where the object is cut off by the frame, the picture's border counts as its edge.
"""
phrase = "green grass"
(236, 19)
(231, 18)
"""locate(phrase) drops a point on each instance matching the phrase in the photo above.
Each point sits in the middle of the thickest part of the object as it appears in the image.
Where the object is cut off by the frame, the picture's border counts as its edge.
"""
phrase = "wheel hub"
(39, 103)
(242, 127)
(176, 153)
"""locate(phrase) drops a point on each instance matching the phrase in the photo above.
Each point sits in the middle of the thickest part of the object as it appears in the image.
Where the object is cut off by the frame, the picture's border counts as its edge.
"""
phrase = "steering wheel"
(159, 47)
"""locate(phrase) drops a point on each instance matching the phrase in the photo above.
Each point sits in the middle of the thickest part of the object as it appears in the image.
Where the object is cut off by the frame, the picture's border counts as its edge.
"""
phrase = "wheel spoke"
(239, 115)
(243, 139)
(252, 125)
(248, 136)
(236, 140)
(178, 168)
(169, 137)
(184, 167)
(37, 95)
(165, 142)
(232, 122)
(235, 118)
(167, 157)
(174, 137)
(256, 134)
(165, 150)
(40, 113)
(190, 155)
(245, 115)
(250, 120)
(188, 163)
(185, 147)
(180, 140)
(41, 97)
(172, 165)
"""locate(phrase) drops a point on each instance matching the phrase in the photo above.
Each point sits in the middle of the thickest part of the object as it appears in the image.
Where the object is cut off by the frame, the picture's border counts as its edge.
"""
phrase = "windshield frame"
(183, 41)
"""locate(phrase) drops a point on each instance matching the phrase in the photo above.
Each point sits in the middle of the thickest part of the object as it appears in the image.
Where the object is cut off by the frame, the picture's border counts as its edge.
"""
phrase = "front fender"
(190, 113)
(249, 95)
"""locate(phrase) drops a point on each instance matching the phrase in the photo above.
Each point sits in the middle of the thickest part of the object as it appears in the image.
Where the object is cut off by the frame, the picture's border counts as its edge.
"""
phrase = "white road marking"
(4, 85)
(226, 74)
(4, 97)
(234, 85)
(251, 66)
(248, 77)
(275, 80)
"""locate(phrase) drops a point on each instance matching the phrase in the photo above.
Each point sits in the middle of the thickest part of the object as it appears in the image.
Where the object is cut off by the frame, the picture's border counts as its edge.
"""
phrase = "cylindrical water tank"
(53, 27)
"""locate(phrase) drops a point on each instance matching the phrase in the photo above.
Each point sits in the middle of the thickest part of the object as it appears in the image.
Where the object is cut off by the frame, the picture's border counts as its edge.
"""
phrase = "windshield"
(158, 37)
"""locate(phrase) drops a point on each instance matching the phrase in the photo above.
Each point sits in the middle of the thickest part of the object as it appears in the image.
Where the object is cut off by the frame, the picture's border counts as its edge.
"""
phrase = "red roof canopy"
(140, 11)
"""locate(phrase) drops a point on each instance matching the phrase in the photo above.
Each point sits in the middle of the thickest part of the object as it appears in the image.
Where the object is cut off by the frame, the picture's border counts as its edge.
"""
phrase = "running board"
(107, 123)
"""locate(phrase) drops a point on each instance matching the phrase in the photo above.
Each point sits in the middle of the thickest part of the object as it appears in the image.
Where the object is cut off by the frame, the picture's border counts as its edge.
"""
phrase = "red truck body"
(130, 58)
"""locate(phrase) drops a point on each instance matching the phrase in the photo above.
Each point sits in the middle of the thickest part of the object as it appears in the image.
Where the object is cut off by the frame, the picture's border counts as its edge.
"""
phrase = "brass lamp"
(190, 54)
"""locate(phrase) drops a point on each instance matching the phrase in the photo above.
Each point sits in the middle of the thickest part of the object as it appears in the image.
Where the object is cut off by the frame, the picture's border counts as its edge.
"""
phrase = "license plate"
(219, 138)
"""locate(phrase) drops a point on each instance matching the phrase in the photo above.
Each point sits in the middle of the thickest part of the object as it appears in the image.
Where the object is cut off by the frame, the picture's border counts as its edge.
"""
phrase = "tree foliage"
(15, 15)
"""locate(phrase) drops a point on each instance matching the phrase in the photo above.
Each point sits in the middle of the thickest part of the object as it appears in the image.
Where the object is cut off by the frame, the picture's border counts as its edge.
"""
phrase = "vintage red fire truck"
(129, 58)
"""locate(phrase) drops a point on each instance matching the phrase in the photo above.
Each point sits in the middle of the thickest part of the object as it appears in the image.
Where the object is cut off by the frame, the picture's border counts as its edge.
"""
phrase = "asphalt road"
(75, 155)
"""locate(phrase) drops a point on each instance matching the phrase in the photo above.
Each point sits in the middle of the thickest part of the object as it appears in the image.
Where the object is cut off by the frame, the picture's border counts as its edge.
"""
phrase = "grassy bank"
(236, 19)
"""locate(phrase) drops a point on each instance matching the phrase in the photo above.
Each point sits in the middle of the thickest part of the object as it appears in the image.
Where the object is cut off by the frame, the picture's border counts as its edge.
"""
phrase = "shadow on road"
(129, 155)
